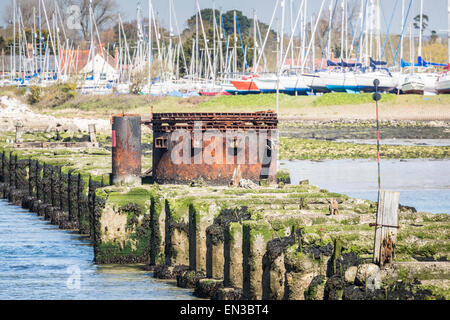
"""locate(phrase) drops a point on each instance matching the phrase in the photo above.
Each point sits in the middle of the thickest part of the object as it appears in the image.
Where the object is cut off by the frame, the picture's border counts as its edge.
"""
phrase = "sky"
(435, 9)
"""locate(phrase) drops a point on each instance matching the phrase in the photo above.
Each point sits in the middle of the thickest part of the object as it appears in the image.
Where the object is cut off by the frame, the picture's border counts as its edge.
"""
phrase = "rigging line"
(179, 39)
(352, 29)
(267, 34)
(260, 41)
(362, 32)
(204, 38)
(225, 40)
(292, 37)
(403, 30)
(242, 45)
(314, 32)
(388, 29)
(329, 29)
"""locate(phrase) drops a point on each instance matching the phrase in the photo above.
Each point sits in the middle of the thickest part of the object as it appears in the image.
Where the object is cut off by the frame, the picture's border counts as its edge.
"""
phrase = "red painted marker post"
(377, 97)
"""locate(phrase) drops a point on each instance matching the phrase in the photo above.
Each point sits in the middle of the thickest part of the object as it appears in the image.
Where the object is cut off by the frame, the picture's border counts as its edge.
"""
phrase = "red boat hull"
(245, 86)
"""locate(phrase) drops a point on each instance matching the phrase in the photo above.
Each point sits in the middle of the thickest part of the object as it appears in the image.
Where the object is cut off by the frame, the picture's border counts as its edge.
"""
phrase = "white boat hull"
(339, 81)
(413, 87)
(365, 82)
(294, 85)
(443, 85)
(266, 84)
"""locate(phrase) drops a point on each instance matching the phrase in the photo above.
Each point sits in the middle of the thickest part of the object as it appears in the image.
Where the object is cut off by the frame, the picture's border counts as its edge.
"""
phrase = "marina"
(161, 61)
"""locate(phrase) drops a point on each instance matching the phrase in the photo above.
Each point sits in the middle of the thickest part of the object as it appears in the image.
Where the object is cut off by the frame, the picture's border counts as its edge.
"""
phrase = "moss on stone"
(284, 176)
(140, 196)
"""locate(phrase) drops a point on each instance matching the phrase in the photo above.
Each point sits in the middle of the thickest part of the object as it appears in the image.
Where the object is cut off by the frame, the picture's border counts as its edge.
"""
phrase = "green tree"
(245, 23)
(424, 22)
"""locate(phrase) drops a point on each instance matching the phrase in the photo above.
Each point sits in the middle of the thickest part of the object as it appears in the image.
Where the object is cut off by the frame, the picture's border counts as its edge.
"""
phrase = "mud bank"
(350, 130)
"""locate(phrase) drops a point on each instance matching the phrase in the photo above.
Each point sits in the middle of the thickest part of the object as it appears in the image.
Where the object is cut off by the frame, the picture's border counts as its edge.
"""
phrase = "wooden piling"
(386, 227)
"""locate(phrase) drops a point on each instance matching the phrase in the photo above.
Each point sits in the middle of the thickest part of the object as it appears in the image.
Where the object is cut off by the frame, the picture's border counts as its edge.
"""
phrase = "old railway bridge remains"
(259, 240)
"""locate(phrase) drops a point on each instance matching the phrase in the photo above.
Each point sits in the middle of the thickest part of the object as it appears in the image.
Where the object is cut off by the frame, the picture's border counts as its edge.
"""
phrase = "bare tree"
(29, 9)
(104, 12)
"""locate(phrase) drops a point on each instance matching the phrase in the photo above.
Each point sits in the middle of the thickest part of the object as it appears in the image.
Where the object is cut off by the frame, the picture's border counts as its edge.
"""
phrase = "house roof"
(78, 58)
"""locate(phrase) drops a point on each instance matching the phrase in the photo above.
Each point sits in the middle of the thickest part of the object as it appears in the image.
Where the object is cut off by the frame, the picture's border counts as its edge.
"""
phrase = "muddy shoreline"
(334, 130)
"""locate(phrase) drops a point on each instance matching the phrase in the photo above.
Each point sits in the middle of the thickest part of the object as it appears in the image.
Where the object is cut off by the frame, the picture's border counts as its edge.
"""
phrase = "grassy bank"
(62, 101)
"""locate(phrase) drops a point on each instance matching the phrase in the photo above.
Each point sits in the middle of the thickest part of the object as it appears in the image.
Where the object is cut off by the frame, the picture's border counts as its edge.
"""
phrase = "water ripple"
(40, 261)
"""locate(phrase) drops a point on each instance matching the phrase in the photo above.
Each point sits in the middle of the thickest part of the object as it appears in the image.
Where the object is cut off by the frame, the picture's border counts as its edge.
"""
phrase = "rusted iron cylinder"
(126, 150)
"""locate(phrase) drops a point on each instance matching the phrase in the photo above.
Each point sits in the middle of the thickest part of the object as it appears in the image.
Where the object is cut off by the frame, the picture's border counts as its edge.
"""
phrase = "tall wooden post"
(92, 133)
(386, 227)
(19, 131)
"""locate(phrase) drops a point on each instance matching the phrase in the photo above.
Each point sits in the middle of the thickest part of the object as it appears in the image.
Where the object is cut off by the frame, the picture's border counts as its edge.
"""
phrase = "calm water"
(40, 261)
(423, 184)
(401, 142)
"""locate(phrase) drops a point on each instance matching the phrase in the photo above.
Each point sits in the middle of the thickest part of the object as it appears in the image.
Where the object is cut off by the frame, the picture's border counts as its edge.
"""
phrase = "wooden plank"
(387, 215)
(390, 218)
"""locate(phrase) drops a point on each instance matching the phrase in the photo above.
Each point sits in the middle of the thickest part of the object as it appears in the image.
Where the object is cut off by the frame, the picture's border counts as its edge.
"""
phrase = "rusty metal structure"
(219, 171)
(126, 149)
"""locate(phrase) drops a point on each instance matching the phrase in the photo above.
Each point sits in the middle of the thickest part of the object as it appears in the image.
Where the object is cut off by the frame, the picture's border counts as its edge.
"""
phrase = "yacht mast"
(196, 47)
(401, 28)
(303, 32)
(235, 42)
(342, 29)
(313, 41)
(283, 7)
(329, 30)
(371, 16)
(14, 40)
(421, 29)
(412, 47)
(254, 41)
(378, 12)
(448, 26)
(292, 30)
(170, 39)
(150, 9)
(214, 44)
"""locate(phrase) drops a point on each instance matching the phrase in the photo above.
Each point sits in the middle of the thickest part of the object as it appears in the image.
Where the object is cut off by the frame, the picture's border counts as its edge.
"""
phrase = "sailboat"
(365, 79)
(293, 83)
(266, 83)
(246, 85)
(413, 84)
(443, 81)
(340, 79)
